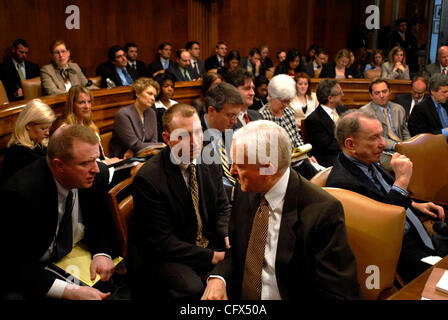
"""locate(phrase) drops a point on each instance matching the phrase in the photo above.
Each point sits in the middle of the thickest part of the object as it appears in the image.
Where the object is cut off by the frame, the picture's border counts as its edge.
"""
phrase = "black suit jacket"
(320, 132)
(253, 116)
(11, 79)
(309, 69)
(243, 64)
(212, 63)
(179, 76)
(424, 118)
(107, 70)
(157, 66)
(163, 227)
(313, 259)
(30, 214)
(405, 99)
(141, 68)
(329, 71)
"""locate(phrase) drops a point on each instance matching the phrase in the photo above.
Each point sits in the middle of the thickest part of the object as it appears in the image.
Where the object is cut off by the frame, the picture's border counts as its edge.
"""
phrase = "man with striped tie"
(223, 104)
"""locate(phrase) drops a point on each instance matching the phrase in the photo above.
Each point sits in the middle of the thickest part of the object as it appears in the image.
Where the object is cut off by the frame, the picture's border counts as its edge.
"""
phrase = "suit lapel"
(326, 120)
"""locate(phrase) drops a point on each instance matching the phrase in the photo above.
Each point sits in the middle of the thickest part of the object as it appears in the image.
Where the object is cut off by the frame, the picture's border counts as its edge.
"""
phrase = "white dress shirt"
(329, 111)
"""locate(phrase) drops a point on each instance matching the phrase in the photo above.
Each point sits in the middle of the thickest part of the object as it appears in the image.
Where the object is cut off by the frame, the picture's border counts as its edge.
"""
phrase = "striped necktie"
(201, 241)
(225, 162)
(251, 285)
(390, 132)
(20, 72)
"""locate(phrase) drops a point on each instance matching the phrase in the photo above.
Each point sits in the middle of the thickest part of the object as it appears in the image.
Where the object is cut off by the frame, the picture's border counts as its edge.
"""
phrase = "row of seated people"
(123, 66)
(226, 108)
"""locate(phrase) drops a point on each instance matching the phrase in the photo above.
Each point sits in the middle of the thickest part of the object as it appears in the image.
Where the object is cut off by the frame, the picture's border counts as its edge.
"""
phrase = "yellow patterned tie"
(20, 72)
(201, 241)
(390, 132)
(251, 287)
(225, 162)
(335, 115)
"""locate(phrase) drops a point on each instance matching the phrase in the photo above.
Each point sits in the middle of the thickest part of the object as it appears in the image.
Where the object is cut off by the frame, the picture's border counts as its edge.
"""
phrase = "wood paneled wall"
(241, 24)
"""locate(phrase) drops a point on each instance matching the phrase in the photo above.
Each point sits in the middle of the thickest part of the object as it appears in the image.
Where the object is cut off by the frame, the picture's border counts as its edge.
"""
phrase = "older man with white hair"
(281, 90)
(288, 237)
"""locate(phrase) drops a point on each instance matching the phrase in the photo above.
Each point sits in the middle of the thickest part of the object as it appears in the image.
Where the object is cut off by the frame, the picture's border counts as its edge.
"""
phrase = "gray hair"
(263, 141)
(326, 88)
(437, 80)
(349, 125)
(221, 94)
(282, 87)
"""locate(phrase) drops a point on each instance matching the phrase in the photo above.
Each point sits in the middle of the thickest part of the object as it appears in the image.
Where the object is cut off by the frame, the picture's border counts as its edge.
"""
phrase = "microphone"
(89, 83)
(440, 227)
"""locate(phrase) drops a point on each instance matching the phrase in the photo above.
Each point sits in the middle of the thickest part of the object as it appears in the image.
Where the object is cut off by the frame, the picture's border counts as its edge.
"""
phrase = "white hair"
(282, 87)
(263, 141)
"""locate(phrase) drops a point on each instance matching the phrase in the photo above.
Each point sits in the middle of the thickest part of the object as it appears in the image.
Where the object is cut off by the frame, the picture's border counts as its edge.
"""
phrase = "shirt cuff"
(215, 276)
(57, 289)
(400, 190)
(102, 254)
(445, 132)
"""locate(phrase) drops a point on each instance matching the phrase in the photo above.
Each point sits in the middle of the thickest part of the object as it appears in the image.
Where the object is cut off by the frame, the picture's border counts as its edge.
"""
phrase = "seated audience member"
(265, 60)
(253, 64)
(305, 101)
(135, 126)
(182, 70)
(395, 68)
(198, 65)
(431, 115)
(281, 56)
(232, 62)
(163, 62)
(30, 137)
(78, 110)
(409, 100)
(357, 169)
(281, 90)
(338, 69)
(441, 66)
(287, 236)
(392, 117)
(311, 54)
(405, 38)
(116, 72)
(59, 76)
(357, 63)
(223, 105)
(261, 93)
(321, 122)
(210, 79)
(216, 61)
(373, 68)
(243, 81)
(163, 99)
(291, 65)
(131, 51)
(17, 68)
(52, 205)
(179, 228)
(320, 59)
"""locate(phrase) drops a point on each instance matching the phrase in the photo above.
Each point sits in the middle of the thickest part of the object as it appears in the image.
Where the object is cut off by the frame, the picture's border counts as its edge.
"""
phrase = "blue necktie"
(378, 178)
(443, 115)
(127, 76)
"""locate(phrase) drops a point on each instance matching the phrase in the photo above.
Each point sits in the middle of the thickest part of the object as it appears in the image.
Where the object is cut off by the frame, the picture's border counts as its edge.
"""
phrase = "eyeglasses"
(231, 116)
(60, 52)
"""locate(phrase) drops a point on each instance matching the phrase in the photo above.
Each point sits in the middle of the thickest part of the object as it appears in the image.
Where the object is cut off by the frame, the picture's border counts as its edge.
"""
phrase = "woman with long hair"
(305, 101)
(291, 65)
(396, 68)
(338, 69)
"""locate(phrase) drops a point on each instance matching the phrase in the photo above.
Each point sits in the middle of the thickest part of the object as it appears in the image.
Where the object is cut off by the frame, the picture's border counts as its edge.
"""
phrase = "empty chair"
(320, 178)
(3, 95)
(32, 88)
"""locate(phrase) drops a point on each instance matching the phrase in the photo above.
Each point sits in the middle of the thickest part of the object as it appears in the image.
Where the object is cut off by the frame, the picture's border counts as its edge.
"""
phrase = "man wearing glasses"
(116, 72)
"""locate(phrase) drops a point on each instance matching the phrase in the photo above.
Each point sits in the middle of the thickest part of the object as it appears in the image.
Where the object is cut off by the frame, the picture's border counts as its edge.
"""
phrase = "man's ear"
(349, 144)
(57, 164)
(166, 137)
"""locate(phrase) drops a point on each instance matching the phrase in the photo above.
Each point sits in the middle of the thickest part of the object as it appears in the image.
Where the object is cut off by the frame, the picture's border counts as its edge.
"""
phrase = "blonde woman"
(338, 69)
(305, 101)
(395, 68)
(30, 137)
(78, 110)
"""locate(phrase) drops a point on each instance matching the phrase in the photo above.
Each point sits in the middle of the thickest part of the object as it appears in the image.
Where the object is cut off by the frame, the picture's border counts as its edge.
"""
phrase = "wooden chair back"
(32, 88)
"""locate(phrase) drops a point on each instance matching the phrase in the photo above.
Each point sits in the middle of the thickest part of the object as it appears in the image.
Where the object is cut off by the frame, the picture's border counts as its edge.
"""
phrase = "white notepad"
(442, 285)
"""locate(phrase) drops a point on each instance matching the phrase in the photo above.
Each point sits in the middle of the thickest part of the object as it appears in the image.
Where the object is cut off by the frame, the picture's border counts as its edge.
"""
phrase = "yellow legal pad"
(77, 264)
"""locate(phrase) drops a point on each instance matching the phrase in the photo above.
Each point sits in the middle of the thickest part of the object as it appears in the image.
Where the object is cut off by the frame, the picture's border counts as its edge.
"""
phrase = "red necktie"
(246, 118)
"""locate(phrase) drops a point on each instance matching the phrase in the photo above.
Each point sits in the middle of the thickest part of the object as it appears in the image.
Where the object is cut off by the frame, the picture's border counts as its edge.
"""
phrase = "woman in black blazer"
(291, 65)
(338, 69)
(30, 137)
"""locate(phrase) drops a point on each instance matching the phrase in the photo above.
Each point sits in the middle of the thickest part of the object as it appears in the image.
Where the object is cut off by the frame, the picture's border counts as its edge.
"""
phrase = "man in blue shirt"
(116, 72)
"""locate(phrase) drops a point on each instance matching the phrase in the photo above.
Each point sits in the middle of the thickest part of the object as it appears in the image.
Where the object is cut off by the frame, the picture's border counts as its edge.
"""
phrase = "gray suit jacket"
(398, 118)
(432, 68)
(52, 82)
(388, 73)
(130, 133)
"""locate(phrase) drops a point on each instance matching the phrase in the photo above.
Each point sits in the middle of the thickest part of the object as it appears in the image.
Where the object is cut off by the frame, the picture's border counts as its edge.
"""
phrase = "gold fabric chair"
(32, 88)
(429, 154)
(122, 206)
(96, 81)
(375, 234)
(3, 95)
(321, 177)
(105, 142)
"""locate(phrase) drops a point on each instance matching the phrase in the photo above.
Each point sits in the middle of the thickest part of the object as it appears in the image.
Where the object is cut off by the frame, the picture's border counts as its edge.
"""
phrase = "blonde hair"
(393, 52)
(343, 53)
(36, 112)
(141, 84)
(69, 116)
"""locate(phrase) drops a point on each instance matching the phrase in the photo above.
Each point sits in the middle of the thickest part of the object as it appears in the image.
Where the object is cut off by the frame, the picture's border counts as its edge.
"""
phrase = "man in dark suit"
(430, 115)
(441, 65)
(51, 205)
(244, 82)
(163, 62)
(357, 169)
(116, 69)
(252, 63)
(217, 60)
(179, 227)
(132, 54)
(320, 123)
(182, 70)
(16, 69)
(288, 238)
(197, 64)
(406, 39)
(409, 100)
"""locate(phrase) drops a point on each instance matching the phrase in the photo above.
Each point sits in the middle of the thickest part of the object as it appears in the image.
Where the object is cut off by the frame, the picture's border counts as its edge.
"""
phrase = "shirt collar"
(276, 194)
(328, 110)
